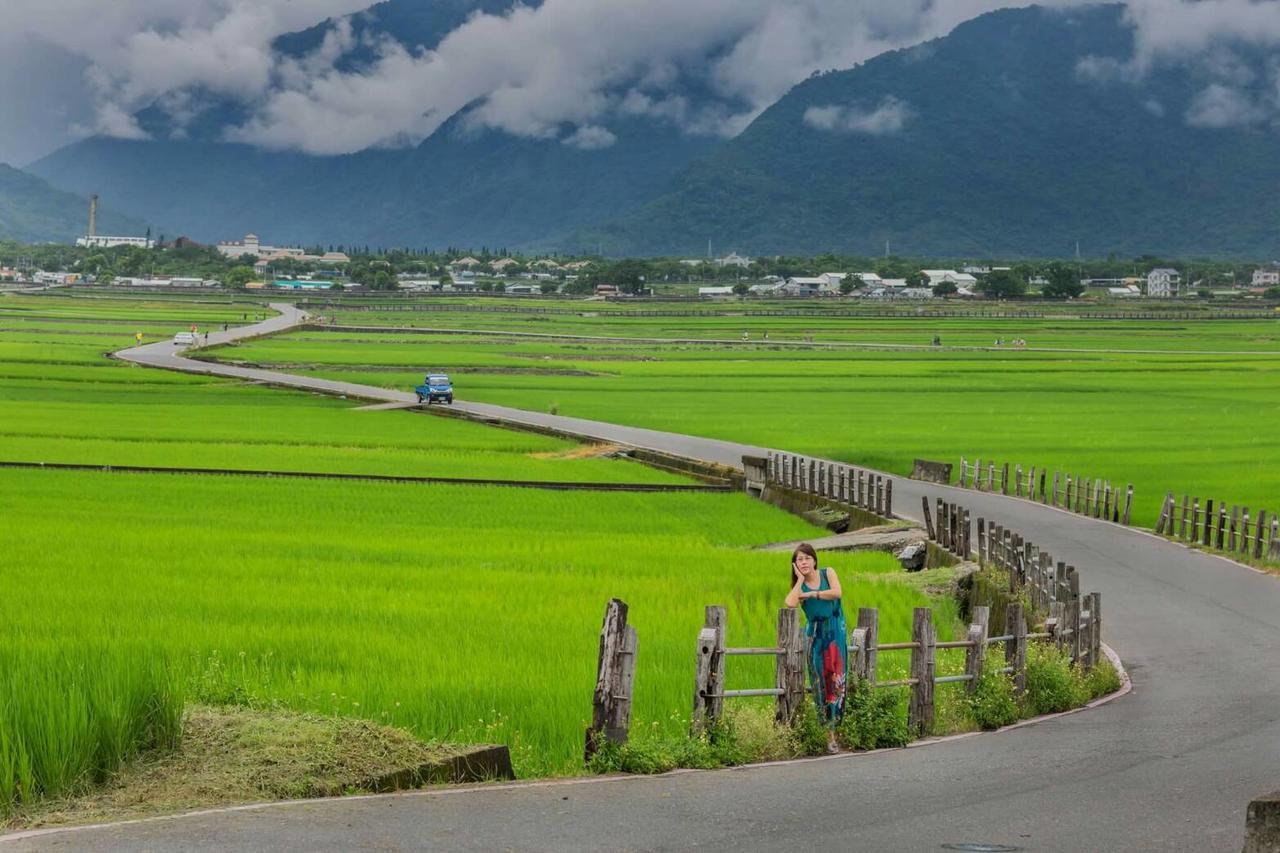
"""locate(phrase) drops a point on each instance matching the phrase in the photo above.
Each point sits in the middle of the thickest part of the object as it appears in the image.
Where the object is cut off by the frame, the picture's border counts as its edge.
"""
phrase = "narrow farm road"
(1169, 767)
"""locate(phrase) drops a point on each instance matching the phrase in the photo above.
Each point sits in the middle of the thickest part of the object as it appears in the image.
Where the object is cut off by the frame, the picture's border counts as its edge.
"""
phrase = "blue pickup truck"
(436, 388)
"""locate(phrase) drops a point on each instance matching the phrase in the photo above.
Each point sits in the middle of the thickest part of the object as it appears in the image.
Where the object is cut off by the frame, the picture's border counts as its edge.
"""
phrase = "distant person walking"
(138, 339)
(817, 592)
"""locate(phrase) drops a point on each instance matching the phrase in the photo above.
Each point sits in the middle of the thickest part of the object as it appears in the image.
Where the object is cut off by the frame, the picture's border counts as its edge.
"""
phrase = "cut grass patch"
(233, 755)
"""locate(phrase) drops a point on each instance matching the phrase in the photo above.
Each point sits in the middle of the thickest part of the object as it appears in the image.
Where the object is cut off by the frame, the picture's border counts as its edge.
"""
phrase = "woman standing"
(817, 591)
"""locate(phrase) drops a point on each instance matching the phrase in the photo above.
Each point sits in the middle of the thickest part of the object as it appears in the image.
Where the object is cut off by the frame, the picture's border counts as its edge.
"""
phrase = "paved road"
(1169, 767)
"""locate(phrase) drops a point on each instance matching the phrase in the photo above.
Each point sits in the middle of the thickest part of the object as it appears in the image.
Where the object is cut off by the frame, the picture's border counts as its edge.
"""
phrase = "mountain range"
(1013, 135)
(32, 211)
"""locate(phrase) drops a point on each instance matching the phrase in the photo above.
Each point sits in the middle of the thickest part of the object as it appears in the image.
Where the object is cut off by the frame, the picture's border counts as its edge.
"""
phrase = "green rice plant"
(457, 612)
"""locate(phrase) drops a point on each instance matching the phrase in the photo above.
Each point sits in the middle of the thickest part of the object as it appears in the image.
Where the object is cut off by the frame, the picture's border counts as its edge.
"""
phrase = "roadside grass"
(1090, 414)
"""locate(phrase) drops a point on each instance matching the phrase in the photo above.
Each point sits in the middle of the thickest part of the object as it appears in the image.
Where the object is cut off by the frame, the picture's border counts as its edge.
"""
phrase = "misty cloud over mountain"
(562, 69)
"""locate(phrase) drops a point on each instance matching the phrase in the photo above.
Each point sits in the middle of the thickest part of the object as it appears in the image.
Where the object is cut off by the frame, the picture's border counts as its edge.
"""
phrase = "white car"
(186, 338)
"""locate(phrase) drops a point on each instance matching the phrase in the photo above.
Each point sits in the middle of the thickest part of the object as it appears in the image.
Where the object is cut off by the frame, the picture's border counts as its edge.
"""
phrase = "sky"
(563, 70)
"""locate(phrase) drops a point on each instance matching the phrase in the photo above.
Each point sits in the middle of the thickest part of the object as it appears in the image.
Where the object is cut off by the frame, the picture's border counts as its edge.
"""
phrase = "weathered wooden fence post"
(789, 676)
(1222, 524)
(1073, 611)
(923, 665)
(708, 700)
(1004, 479)
(615, 677)
(974, 654)
(928, 518)
(858, 655)
(1017, 481)
(1274, 552)
(1056, 475)
(715, 618)
(869, 623)
(1128, 505)
(982, 542)
(1095, 628)
(888, 498)
(1015, 650)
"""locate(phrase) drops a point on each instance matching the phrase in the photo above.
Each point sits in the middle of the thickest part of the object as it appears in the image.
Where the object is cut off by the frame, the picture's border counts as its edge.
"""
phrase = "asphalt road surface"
(1171, 766)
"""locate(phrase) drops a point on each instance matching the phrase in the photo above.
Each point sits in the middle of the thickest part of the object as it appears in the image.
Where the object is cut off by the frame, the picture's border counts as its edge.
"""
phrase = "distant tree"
(548, 287)
(1204, 293)
(918, 279)
(1272, 293)
(1002, 284)
(238, 276)
(629, 275)
(742, 288)
(945, 288)
(848, 284)
(1063, 282)
(579, 286)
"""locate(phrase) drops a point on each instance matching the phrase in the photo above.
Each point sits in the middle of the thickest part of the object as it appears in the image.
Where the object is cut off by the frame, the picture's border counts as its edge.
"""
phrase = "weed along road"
(1170, 766)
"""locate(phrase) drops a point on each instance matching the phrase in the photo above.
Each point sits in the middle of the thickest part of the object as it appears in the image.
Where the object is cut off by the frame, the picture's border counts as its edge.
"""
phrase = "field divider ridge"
(551, 485)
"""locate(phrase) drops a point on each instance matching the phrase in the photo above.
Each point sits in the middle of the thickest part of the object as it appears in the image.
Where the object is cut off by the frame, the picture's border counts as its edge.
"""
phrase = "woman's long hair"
(802, 548)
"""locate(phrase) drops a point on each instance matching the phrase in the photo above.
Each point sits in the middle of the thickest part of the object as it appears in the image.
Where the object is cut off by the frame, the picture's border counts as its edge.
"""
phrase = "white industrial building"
(101, 241)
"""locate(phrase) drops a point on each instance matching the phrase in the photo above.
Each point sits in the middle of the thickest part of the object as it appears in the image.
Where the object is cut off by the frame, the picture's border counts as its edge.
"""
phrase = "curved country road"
(1171, 766)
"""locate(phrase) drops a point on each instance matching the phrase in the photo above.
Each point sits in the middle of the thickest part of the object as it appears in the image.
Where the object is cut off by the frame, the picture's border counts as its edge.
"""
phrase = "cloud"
(1221, 106)
(890, 117)
(591, 137)
(1204, 38)
(706, 67)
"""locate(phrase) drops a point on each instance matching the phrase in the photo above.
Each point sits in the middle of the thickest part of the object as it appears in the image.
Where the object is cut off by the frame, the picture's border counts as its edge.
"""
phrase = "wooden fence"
(952, 530)
(611, 709)
(1082, 495)
(864, 651)
(1072, 620)
(1233, 531)
(833, 481)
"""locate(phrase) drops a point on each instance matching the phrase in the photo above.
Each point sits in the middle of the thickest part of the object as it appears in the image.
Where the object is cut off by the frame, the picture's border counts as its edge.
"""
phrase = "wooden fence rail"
(1095, 498)
(833, 481)
(1233, 531)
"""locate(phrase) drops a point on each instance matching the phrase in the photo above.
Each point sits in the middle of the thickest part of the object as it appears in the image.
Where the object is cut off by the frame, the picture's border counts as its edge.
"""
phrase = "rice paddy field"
(460, 613)
(1167, 405)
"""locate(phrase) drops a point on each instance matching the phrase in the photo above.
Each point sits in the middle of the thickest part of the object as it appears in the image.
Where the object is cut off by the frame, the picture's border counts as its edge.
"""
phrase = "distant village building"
(959, 279)
(1266, 278)
(733, 259)
(505, 263)
(1164, 283)
(715, 291)
(465, 262)
(252, 245)
(805, 286)
(1125, 292)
